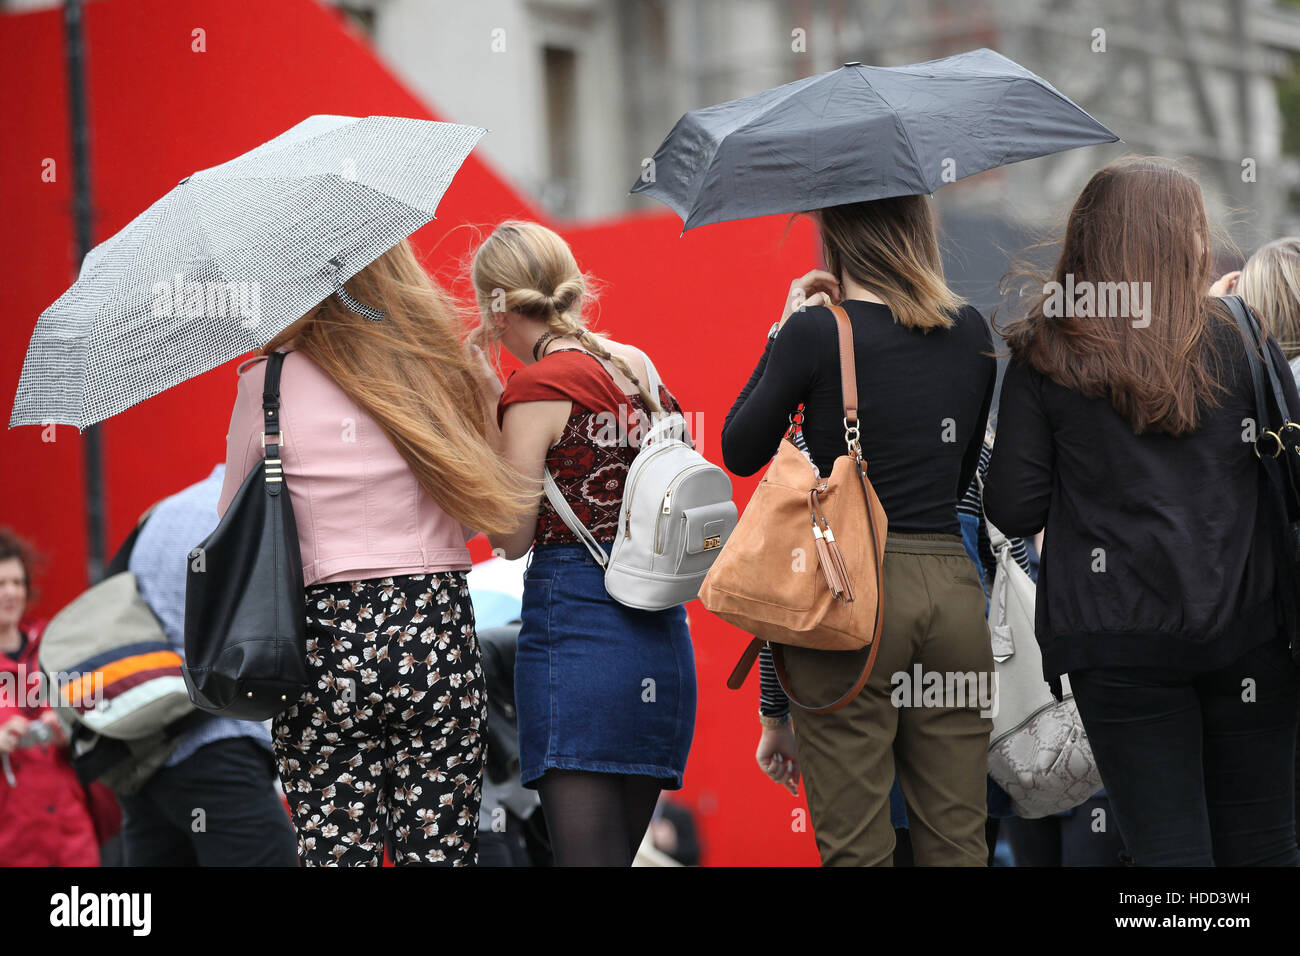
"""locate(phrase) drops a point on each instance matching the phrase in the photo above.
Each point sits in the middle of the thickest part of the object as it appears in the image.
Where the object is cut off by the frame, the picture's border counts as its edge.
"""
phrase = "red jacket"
(45, 819)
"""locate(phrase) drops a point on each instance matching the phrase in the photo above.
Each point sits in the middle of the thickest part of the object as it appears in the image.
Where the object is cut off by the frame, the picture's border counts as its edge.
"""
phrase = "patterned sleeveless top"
(591, 458)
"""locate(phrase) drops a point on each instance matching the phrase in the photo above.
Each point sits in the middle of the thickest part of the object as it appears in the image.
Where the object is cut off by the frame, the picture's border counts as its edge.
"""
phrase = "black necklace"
(545, 337)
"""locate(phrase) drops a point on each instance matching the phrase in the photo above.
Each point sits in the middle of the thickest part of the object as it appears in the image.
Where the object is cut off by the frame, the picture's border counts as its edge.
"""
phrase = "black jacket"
(1157, 550)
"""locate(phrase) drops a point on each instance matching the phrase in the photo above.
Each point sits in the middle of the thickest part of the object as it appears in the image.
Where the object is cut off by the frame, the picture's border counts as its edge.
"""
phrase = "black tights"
(596, 819)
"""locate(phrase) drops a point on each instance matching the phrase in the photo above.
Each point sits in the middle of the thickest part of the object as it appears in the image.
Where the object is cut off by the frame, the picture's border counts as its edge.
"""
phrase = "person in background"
(925, 381)
(45, 814)
(592, 743)
(216, 799)
(511, 827)
(389, 472)
(673, 831)
(1121, 434)
(1269, 283)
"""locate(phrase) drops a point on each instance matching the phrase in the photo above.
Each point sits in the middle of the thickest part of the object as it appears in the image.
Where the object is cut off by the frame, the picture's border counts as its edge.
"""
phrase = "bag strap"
(849, 382)
(274, 471)
(556, 498)
(669, 422)
(1257, 354)
(1244, 316)
(996, 538)
(652, 374)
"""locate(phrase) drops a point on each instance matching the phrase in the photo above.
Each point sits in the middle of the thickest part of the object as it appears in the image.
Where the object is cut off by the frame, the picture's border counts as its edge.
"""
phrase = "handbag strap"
(848, 380)
(1257, 354)
(849, 383)
(1247, 321)
(274, 466)
(997, 540)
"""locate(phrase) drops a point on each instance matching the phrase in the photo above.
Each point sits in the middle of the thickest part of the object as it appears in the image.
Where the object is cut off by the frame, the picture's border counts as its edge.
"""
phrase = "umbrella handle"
(374, 315)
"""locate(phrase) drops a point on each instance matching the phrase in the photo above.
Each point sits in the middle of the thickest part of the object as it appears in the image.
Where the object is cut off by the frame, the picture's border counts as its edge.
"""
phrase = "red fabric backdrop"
(159, 111)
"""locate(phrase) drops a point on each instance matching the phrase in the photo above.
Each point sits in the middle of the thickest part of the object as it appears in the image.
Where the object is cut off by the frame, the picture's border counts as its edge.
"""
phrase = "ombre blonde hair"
(890, 246)
(526, 268)
(1270, 284)
(412, 374)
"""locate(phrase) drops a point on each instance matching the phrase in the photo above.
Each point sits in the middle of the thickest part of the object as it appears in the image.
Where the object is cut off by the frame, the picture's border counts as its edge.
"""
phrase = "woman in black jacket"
(1127, 419)
(925, 380)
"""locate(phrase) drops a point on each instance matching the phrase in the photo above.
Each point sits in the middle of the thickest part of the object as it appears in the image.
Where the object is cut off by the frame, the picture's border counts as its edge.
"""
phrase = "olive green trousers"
(934, 634)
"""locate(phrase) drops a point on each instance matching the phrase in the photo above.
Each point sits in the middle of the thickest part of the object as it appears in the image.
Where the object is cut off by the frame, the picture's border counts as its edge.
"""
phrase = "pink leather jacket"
(359, 510)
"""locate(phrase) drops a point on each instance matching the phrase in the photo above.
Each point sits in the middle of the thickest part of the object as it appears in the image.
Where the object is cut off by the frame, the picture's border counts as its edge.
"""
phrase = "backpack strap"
(652, 374)
(556, 498)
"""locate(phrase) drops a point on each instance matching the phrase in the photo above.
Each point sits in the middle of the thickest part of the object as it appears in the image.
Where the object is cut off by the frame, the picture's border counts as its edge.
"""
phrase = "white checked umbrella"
(232, 256)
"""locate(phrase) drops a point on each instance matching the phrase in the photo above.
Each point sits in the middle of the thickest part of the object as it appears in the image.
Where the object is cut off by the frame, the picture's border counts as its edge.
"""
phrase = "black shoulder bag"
(1277, 446)
(245, 622)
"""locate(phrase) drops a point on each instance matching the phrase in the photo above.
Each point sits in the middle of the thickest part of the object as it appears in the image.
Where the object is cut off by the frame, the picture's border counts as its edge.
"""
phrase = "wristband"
(767, 721)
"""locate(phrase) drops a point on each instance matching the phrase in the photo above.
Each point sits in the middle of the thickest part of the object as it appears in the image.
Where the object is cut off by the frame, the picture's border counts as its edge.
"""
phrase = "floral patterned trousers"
(386, 745)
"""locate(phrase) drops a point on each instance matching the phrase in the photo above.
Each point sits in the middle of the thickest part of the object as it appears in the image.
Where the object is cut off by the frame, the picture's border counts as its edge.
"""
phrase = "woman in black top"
(1126, 432)
(925, 380)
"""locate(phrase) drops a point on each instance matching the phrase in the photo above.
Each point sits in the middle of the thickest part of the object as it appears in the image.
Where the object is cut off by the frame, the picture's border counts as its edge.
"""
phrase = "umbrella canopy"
(232, 256)
(860, 133)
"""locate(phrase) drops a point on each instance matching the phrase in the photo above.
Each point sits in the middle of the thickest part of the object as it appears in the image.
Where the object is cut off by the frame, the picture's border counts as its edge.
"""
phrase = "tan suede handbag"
(803, 566)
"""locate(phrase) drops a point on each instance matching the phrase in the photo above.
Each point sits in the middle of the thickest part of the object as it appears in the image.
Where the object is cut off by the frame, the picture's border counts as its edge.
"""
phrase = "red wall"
(701, 303)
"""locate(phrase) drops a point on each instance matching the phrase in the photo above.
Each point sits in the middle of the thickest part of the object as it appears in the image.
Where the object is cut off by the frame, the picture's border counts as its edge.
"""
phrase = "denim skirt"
(599, 686)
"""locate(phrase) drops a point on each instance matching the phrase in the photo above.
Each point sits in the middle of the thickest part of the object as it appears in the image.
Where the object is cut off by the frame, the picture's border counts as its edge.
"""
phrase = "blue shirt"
(158, 561)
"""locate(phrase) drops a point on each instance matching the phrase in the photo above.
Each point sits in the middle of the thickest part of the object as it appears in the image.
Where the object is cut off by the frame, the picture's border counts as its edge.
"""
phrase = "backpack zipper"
(667, 508)
(627, 499)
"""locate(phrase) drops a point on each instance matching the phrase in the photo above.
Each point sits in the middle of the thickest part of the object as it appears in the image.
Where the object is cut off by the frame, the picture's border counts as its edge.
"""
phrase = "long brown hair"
(890, 246)
(526, 268)
(1141, 224)
(411, 372)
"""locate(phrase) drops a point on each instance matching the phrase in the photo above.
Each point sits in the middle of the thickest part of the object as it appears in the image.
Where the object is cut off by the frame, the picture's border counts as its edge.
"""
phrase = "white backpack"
(676, 515)
(1038, 751)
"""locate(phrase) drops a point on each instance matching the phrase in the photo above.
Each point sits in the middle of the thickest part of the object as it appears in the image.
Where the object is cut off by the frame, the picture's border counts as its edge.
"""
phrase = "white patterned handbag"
(1038, 751)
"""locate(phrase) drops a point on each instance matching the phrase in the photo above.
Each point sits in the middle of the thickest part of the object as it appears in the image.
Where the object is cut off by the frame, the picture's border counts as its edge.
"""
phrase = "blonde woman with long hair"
(389, 469)
(605, 693)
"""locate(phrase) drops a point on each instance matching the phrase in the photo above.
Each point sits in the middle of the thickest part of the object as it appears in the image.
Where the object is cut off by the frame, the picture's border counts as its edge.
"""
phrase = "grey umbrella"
(230, 257)
(860, 133)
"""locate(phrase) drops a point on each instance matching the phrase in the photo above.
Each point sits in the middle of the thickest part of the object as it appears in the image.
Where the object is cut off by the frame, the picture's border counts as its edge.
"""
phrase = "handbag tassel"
(828, 552)
(838, 557)
(824, 557)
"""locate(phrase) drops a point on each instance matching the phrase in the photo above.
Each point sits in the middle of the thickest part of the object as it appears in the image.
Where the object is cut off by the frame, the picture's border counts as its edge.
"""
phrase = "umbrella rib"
(748, 118)
(372, 189)
(222, 274)
(907, 137)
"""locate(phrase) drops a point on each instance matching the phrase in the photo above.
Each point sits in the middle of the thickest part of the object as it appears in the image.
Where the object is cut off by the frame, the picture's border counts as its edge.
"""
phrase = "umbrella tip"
(854, 63)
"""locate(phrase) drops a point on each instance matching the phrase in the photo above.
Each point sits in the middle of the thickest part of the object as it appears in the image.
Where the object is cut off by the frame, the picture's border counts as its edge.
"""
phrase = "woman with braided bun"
(605, 693)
